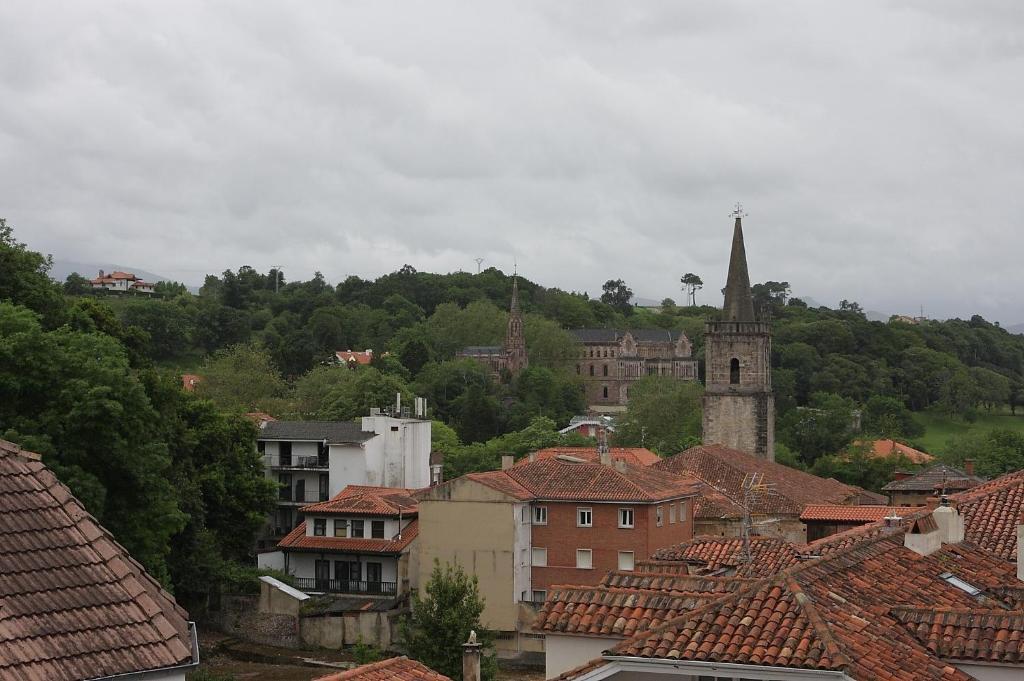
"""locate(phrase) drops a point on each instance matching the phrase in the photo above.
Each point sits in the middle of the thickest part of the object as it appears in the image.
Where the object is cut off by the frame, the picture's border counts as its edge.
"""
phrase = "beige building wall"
(466, 522)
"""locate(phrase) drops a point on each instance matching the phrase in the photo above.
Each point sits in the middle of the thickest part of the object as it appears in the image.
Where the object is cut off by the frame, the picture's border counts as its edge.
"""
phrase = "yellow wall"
(474, 525)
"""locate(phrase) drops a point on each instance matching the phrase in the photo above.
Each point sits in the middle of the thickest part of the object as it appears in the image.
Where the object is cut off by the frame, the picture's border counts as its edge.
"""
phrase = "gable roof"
(878, 449)
(725, 469)
(634, 456)
(992, 512)
(73, 603)
(558, 479)
(394, 668)
(333, 432)
(840, 612)
(848, 514)
(297, 540)
(365, 500)
(931, 479)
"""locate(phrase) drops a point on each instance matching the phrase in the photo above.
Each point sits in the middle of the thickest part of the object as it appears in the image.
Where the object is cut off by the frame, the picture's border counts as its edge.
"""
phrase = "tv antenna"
(478, 261)
(754, 490)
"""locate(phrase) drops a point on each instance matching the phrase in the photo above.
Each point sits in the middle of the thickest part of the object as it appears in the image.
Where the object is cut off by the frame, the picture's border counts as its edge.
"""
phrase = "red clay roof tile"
(75, 605)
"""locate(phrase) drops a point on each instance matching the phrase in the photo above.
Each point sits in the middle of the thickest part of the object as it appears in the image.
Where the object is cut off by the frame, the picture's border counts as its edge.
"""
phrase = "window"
(584, 559)
(284, 453)
(671, 514)
(625, 517)
(540, 515)
(340, 528)
(319, 527)
(357, 529)
(377, 529)
(605, 369)
(734, 371)
(540, 557)
(539, 596)
(584, 517)
(659, 515)
(625, 560)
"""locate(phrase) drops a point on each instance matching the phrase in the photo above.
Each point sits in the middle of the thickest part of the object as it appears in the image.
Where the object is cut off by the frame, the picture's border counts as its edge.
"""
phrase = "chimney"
(471, 659)
(969, 466)
(1020, 547)
(507, 460)
(950, 522)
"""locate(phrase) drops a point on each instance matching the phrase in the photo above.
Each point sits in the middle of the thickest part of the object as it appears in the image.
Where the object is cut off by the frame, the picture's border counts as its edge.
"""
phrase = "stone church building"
(509, 359)
(611, 361)
(739, 407)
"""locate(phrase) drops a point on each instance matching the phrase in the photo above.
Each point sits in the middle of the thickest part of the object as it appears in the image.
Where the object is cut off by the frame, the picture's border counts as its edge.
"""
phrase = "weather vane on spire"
(738, 211)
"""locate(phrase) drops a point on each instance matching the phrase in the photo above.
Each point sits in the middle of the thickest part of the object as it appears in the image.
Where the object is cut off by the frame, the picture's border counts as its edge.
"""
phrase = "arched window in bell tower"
(734, 371)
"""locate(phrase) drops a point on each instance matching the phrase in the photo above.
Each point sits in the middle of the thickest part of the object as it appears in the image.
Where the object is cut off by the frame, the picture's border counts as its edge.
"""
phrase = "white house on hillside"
(313, 461)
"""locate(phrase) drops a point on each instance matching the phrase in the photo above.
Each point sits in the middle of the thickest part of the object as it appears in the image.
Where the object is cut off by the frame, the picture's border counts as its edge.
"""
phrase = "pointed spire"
(739, 304)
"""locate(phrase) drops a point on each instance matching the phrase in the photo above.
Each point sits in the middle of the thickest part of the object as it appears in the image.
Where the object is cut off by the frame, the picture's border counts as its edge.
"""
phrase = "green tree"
(25, 279)
(691, 284)
(617, 294)
(240, 377)
(664, 415)
(440, 622)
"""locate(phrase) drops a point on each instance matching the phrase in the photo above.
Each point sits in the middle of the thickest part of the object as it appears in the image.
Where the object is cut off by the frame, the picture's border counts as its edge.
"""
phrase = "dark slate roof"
(73, 604)
(614, 335)
(931, 477)
(334, 432)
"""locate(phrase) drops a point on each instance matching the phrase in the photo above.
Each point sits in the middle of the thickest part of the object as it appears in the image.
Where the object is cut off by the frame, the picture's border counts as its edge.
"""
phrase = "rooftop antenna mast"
(478, 261)
(754, 490)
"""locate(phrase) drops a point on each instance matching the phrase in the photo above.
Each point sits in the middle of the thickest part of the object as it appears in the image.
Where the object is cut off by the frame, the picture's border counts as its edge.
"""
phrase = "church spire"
(739, 304)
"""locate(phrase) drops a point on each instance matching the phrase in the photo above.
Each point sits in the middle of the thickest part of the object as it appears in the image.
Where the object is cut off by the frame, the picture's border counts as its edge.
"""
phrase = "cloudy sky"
(878, 147)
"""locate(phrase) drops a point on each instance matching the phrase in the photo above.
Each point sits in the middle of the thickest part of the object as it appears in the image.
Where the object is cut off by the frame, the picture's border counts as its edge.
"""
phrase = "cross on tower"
(738, 211)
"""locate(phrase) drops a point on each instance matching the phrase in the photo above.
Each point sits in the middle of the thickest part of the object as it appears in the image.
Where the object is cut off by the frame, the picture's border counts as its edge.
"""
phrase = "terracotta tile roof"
(604, 611)
(365, 500)
(836, 612)
(348, 356)
(849, 514)
(711, 554)
(991, 513)
(395, 668)
(724, 469)
(296, 540)
(557, 479)
(967, 634)
(73, 603)
(930, 479)
(878, 449)
(634, 456)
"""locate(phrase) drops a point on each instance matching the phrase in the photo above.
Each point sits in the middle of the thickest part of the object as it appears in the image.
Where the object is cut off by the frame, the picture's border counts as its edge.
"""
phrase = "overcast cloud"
(878, 147)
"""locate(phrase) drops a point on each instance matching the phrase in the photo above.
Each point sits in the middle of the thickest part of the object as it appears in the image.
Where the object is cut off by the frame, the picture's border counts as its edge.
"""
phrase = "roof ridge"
(810, 610)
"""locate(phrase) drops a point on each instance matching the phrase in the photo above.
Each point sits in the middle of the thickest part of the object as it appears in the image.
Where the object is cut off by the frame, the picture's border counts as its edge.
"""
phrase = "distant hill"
(62, 268)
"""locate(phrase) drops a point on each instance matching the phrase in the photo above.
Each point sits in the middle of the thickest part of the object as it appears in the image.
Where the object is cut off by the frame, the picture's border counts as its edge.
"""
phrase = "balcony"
(287, 495)
(345, 586)
(304, 463)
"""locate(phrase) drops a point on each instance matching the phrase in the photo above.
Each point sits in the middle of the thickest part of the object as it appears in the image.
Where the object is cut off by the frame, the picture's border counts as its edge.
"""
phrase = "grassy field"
(939, 428)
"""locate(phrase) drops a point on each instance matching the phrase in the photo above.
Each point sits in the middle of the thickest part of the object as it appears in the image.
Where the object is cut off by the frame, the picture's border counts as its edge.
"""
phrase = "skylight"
(960, 584)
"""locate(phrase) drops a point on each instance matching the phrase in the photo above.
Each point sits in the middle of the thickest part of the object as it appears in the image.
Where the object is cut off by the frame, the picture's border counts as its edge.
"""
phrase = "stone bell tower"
(739, 407)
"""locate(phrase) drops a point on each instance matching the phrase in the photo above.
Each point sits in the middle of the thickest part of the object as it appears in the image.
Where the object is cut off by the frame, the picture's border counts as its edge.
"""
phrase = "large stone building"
(739, 407)
(611, 361)
(509, 359)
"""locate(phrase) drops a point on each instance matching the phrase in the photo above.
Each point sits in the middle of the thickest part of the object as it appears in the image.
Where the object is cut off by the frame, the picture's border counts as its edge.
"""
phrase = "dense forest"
(92, 381)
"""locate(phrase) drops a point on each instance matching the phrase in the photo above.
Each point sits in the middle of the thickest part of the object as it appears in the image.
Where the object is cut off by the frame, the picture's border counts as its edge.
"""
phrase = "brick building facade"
(611, 360)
